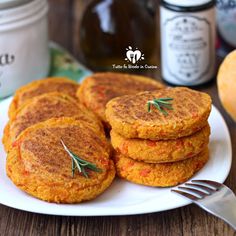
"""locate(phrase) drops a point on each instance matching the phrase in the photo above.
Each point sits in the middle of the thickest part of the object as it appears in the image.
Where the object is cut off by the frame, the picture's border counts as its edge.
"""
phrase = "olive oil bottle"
(111, 27)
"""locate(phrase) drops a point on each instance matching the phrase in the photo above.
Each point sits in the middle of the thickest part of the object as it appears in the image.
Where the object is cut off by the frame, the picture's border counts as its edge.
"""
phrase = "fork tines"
(198, 189)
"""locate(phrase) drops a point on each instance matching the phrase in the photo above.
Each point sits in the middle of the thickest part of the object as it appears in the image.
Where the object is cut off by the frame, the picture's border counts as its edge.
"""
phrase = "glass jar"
(110, 27)
(188, 41)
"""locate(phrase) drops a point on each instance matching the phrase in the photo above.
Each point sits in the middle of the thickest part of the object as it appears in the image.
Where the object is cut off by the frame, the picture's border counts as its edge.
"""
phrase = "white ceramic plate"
(122, 198)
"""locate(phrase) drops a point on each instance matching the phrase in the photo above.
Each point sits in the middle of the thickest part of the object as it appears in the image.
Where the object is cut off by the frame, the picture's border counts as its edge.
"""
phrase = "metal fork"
(214, 197)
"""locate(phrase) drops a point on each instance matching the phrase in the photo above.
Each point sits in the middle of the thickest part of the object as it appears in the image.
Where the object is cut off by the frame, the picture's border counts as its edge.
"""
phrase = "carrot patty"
(38, 87)
(97, 89)
(158, 151)
(44, 107)
(129, 116)
(39, 164)
(162, 174)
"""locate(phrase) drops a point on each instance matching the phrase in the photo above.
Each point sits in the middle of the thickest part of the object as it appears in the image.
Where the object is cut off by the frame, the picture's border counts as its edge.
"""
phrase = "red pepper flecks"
(16, 143)
(151, 143)
(124, 147)
(189, 154)
(144, 172)
(131, 163)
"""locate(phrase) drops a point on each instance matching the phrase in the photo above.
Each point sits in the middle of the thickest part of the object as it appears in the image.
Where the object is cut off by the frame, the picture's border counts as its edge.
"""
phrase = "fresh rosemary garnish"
(80, 164)
(160, 104)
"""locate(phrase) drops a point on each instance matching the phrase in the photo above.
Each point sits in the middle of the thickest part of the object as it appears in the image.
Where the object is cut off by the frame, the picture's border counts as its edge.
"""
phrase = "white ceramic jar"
(24, 50)
(188, 35)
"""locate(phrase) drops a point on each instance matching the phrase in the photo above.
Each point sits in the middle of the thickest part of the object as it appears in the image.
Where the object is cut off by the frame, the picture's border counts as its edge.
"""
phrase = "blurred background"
(65, 22)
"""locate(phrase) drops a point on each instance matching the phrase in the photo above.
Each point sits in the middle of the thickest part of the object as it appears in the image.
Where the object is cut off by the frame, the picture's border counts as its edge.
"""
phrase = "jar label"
(188, 47)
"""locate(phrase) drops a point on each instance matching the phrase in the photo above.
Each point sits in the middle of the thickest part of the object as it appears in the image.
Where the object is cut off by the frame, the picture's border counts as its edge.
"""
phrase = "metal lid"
(6, 4)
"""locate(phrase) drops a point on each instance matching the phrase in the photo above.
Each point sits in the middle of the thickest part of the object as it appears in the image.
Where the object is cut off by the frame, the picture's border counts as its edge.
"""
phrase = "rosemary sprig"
(160, 104)
(80, 164)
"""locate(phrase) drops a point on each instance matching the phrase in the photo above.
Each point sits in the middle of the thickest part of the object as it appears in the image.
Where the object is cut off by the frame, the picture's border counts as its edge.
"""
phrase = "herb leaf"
(165, 99)
(160, 104)
(80, 164)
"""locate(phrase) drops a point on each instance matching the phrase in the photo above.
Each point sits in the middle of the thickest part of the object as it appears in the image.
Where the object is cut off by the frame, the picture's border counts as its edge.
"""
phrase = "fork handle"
(226, 210)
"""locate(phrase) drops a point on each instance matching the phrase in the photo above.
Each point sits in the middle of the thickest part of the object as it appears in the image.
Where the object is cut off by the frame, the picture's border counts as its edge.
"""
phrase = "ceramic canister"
(188, 41)
(24, 52)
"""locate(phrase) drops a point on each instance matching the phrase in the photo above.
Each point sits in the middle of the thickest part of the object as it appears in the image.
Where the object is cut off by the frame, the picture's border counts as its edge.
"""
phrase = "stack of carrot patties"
(160, 137)
(57, 149)
(99, 88)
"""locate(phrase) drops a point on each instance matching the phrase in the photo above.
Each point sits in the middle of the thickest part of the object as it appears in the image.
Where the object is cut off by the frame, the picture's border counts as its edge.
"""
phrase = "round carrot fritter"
(128, 115)
(38, 87)
(99, 88)
(44, 107)
(162, 174)
(160, 151)
(39, 165)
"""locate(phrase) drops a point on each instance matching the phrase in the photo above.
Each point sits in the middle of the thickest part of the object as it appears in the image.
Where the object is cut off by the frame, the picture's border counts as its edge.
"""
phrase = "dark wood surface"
(64, 20)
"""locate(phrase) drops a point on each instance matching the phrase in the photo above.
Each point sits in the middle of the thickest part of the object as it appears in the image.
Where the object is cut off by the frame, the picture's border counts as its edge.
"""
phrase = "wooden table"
(190, 220)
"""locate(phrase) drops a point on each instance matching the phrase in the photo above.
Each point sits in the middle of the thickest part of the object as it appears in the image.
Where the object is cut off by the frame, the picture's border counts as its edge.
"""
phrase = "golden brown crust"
(163, 150)
(39, 165)
(6, 137)
(159, 175)
(129, 117)
(226, 82)
(97, 89)
(44, 107)
(38, 87)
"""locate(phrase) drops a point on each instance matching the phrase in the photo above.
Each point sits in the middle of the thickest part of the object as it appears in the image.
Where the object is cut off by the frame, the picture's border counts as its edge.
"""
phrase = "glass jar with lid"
(188, 35)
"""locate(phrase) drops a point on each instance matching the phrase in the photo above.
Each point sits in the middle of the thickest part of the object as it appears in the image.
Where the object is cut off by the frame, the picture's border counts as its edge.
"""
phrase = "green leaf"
(165, 99)
(80, 164)
(157, 106)
(160, 104)
(149, 106)
(72, 167)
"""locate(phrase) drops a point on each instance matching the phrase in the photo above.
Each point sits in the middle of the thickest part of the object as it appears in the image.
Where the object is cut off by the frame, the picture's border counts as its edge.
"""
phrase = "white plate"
(122, 198)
